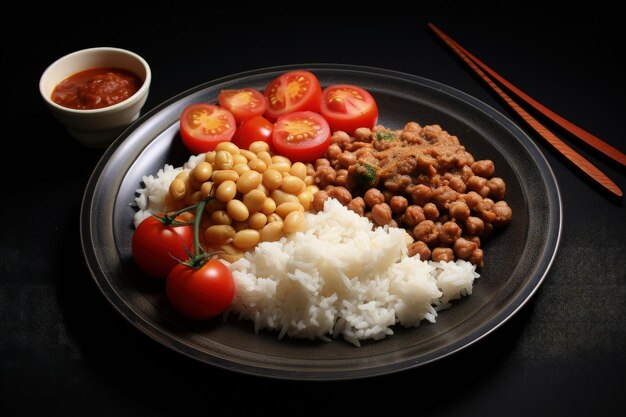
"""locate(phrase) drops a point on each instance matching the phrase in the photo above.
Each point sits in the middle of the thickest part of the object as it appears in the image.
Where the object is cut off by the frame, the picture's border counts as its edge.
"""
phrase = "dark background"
(65, 351)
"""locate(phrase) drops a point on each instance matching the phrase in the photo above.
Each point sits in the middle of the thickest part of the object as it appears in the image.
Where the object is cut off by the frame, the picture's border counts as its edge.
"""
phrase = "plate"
(517, 259)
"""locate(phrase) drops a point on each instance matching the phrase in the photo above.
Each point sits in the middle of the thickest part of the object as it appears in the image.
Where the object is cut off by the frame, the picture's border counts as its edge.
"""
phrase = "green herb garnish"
(385, 136)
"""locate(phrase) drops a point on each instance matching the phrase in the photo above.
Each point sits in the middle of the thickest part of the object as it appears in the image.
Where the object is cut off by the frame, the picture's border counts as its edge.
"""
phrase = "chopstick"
(577, 159)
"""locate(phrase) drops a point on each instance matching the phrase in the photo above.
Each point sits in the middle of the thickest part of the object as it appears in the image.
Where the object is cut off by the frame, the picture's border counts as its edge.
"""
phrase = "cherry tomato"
(302, 136)
(291, 92)
(252, 130)
(200, 293)
(155, 245)
(203, 126)
(244, 103)
(347, 107)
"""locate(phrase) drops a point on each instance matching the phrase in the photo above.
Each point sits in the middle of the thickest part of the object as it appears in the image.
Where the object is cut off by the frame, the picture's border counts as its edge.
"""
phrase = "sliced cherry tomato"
(203, 126)
(156, 247)
(252, 130)
(200, 293)
(244, 103)
(302, 136)
(347, 107)
(291, 92)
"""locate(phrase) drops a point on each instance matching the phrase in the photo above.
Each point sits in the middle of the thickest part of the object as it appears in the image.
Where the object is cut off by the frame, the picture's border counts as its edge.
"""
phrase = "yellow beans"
(225, 175)
(226, 191)
(268, 207)
(281, 197)
(271, 232)
(255, 200)
(227, 147)
(272, 179)
(206, 189)
(178, 189)
(292, 185)
(256, 196)
(250, 156)
(299, 170)
(283, 209)
(248, 181)
(237, 210)
(241, 168)
(257, 220)
(305, 198)
(280, 166)
(220, 217)
(219, 234)
(239, 159)
(223, 160)
(202, 172)
(209, 157)
(246, 238)
(265, 157)
(259, 146)
(294, 222)
(257, 165)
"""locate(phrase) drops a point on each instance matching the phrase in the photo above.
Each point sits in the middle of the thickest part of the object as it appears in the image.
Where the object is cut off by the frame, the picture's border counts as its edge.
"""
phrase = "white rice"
(151, 198)
(339, 277)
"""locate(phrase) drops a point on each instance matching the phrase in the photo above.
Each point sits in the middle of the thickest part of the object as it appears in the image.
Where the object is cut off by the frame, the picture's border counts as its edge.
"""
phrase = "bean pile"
(419, 178)
(257, 197)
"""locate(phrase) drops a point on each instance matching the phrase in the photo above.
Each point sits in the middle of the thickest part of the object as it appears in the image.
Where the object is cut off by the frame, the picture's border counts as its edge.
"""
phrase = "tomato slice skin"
(155, 246)
(200, 293)
(251, 130)
(301, 136)
(203, 126)
(291, 92)
(348, 107)
(243, 103)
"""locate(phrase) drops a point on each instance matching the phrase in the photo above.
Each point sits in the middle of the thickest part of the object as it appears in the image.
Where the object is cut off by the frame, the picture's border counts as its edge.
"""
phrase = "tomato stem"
(169, 219)
(196, 228)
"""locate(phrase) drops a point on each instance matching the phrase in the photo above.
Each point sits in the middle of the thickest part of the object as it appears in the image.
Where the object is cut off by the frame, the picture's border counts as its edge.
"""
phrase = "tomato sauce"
(96, 88)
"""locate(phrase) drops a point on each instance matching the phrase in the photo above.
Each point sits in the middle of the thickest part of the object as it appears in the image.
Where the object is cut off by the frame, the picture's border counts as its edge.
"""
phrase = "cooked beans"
(427, 182)
(252, 195)
(246, 238)
(237, 210)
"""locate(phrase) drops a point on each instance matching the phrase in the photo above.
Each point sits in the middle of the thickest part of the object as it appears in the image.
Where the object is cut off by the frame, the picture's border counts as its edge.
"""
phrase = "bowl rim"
(118, 106)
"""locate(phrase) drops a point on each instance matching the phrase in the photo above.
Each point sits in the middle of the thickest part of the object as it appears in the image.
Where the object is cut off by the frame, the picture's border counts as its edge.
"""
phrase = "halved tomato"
(203, 126)
(244, 103)
(252, 130)
(347, 107)
(291, 92)
(301, 136)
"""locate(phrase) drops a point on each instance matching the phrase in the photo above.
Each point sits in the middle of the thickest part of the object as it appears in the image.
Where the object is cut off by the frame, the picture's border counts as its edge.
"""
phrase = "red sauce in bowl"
(96, 88)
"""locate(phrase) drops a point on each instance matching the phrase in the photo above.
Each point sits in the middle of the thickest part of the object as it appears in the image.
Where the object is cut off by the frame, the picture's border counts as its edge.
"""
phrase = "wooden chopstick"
(577, 159)
(577, 131)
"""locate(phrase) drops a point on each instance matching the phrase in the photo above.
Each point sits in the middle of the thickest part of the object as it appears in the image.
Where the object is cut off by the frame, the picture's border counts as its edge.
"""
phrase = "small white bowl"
(98, 127)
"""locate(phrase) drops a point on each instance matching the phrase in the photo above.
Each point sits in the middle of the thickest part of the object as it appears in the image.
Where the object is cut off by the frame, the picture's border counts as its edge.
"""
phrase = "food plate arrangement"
(518, 257)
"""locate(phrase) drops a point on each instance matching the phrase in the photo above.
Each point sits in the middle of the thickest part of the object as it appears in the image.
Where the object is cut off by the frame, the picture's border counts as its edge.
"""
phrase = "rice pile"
(340, 277)
(151, 198)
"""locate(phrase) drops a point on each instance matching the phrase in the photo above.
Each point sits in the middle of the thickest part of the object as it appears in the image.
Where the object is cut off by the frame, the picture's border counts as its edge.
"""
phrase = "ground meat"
(398, 204)
(442, 254)
(413, 216)
(373, 196)
(420, 178)
(419, 248)
(464, 248)
(381, 214)
(357, 205)
(427, 232)
(342, 194)
(319, 198)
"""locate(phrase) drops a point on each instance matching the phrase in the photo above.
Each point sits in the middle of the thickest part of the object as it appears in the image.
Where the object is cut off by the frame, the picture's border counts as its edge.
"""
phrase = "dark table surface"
(65, 351)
